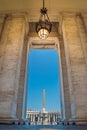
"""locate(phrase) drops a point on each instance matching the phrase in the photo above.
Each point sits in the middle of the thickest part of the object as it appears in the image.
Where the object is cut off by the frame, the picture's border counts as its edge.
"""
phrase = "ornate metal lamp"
(44, 26)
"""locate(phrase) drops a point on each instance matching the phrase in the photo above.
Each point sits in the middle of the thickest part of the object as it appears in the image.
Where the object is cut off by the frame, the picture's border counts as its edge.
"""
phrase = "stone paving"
(43, 127)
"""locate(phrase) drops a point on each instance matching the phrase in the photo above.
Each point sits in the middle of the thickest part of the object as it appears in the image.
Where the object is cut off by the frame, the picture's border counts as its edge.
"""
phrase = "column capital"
(70, 14)
(16, 15)
(10, 16)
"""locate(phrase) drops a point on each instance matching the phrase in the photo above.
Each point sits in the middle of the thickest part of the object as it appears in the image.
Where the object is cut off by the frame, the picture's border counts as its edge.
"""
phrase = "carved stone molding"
(37, 43)
(34, 14)
(54, 31)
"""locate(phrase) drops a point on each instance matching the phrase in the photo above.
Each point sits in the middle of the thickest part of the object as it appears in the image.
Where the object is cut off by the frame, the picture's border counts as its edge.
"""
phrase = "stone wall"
(11, 47)
(75, 45)
(84, 16)
(65, 95)
(1, 22)
(22, 90)
(73, 53)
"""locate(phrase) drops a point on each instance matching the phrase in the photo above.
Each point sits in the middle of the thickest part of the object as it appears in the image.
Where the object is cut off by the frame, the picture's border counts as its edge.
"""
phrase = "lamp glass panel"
(43, 33)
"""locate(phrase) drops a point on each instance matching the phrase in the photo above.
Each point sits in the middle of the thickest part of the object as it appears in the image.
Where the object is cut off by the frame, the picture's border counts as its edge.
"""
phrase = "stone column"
(2, 21)
(22, 90)
(76, 64)
(82, 32)
(65, 95)
(11, 47)
(84, 16)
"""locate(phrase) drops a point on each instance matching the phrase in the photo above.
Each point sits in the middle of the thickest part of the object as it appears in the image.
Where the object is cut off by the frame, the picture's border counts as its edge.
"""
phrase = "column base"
(13, 121)
(64, 122)
(23, 121)
(8, 121)
(78, 121)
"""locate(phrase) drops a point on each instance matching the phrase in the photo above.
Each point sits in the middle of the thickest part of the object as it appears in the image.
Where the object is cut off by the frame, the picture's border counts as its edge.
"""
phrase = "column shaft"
(76, 64)
(11, 52)
(65, 95)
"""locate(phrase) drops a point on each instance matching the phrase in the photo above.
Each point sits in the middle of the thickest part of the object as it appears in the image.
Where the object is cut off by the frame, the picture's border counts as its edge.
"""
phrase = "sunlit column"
(75, 48)
(84, 17)
(82, 29)
(64, 86)
(2, 23)
(11, 52)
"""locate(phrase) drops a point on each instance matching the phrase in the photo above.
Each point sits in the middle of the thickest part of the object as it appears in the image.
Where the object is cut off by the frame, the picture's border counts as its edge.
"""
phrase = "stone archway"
(53, 43)
(73, 57)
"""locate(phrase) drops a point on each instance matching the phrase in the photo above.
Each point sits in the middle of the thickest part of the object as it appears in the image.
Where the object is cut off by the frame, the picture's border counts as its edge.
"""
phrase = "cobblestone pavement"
(43, 127)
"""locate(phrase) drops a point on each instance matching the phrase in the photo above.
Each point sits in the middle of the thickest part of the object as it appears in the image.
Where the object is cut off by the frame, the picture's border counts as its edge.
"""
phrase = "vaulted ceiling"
(37, 4)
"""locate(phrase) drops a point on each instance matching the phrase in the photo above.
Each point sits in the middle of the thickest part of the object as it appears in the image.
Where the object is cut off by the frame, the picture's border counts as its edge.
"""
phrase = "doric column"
(73, 34)
(84, 16)
(82, 32)
(22, 90)
(11, 47)
(65, 95)
(2, 21)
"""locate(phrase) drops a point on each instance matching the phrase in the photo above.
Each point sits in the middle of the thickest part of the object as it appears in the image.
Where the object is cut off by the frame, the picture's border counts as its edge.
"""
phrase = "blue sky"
(43, 72)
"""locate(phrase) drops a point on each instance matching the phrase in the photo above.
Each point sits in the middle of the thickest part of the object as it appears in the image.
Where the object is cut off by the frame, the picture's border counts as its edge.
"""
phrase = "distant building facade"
(43, 117)
(40, 117)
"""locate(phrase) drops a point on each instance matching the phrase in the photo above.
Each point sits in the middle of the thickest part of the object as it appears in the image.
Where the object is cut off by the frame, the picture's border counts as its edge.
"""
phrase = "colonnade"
(34, 117)
(14, 41)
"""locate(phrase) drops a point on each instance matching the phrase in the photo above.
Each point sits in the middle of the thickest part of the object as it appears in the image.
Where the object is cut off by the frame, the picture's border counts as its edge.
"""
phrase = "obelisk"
(44, 112)
(44, 100)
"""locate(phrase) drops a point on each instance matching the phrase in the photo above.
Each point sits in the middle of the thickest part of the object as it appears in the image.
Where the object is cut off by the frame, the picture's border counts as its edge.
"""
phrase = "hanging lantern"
(44, 26)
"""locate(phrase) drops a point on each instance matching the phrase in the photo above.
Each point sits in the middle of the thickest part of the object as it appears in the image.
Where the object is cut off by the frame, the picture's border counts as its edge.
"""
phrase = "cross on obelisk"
(44, 100)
